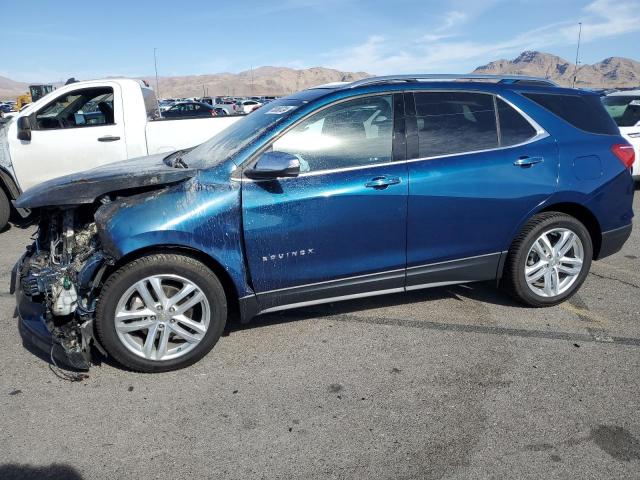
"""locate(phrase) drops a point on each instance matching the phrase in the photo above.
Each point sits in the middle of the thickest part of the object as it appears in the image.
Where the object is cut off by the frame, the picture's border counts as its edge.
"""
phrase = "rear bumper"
(613, 240)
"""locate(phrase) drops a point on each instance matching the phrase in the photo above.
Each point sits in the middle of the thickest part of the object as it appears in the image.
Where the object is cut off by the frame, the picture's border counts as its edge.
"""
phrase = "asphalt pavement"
(455, 382)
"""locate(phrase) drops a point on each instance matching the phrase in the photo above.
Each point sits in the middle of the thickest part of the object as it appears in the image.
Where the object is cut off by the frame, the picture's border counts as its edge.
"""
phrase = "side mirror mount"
(272, 165)
(24, 129)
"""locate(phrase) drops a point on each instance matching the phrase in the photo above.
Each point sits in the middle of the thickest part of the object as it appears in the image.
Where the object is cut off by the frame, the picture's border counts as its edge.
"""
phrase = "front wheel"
(5, 210)
(161, 312)
(549, 260)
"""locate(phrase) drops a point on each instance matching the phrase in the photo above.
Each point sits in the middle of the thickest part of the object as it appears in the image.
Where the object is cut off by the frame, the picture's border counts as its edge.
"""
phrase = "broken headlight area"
(62, 270)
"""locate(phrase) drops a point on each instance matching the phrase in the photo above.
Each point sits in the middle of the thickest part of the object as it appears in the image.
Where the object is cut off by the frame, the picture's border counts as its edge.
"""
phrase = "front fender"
(201, 217)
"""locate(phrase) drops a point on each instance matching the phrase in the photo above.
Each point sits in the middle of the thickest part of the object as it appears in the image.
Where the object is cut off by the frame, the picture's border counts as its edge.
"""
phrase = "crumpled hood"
(85, 187)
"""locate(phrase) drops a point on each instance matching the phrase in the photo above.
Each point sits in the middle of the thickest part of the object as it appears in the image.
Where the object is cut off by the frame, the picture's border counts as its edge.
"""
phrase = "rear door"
(474, 174)
(339, 229)
(78, 130)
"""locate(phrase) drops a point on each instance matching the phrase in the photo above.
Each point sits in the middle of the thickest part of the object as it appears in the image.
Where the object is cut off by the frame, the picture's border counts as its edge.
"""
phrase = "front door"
(77, 131)
(338, 230)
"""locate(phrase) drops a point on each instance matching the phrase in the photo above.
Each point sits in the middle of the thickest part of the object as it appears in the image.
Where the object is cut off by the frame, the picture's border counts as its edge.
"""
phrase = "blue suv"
(342, 191)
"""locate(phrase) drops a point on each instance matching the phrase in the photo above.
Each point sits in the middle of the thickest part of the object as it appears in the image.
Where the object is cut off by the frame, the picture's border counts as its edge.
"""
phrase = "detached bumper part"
(35, 333)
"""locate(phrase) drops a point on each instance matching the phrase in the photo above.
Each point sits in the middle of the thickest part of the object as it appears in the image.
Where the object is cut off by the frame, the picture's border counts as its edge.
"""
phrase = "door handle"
(527, 161)
(108, 138)
(382, 182)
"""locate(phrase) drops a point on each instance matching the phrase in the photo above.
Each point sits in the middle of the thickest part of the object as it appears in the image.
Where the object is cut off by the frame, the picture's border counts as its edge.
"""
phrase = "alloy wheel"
(162, 317)
(554, 262)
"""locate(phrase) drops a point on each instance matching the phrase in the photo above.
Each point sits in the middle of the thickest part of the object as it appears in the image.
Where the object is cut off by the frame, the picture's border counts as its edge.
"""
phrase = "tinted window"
(514, 128)
(454, 122)
(80, 108)
(150, 102)
(582, 111)
(353, 133)
(625, 110)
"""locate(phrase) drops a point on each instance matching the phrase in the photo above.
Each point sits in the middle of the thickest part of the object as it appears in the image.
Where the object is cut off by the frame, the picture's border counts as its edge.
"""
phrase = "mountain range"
(610, 72)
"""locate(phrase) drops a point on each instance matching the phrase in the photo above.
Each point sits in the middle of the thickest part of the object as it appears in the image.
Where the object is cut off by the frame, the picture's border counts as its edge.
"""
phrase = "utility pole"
(155, 64)
(251, 94)
(575, 71)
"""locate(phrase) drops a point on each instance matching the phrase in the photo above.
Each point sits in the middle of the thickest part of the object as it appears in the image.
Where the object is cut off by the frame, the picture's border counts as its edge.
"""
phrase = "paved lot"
(454, 382)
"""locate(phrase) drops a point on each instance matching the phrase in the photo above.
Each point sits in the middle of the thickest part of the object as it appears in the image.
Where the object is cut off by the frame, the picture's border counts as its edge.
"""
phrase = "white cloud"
(443, 49)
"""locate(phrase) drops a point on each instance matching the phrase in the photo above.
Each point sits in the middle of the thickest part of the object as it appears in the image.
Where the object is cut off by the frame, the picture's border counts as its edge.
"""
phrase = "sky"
(54, 40)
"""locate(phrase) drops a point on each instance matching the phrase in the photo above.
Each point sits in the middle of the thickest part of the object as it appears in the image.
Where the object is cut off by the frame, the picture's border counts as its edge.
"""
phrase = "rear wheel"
(161, 312)
(549, 260)
(5, 209)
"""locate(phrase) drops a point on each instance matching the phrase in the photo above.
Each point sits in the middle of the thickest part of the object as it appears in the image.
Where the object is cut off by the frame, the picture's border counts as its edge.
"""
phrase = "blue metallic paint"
(446, 208)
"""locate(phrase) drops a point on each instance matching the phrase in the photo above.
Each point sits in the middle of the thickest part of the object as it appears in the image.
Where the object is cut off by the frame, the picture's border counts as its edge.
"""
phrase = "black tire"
(158, 264)
(513, 279)
(5, 210)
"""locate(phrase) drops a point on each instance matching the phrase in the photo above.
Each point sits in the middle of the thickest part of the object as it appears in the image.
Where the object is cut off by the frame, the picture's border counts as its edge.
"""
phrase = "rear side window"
(514, 128)
(150, 102)
(454, 122)
(582, 111)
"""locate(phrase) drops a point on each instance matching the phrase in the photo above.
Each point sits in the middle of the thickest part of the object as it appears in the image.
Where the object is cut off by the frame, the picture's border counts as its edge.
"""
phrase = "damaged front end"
(58, 280)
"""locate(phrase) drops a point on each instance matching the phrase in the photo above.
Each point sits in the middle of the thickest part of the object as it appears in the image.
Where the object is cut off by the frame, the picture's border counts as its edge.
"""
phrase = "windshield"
(238, 135)
(624, 109)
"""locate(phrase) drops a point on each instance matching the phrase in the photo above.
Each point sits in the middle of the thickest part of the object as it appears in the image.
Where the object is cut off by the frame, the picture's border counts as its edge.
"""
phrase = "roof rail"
(422, 77)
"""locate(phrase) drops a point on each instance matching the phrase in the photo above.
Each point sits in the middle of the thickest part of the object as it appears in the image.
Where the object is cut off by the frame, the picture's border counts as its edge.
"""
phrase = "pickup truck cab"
(380, 186)
(85, 125)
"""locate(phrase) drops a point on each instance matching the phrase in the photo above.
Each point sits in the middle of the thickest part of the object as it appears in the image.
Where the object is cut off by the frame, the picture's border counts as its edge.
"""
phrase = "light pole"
(575, 71)
(155, 64)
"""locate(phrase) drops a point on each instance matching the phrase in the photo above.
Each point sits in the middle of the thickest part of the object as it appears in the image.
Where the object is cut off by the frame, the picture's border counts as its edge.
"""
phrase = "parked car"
(6, 108)
(383, 185)
(624, 107)
(87, 124)
(190, 109)
(247, 106)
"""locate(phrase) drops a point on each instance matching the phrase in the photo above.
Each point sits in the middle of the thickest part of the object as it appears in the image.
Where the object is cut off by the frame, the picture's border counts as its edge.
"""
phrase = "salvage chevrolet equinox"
(341, 191)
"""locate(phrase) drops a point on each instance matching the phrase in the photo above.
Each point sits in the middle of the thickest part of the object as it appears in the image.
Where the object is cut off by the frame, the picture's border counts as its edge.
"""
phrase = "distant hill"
(10, 89)
(610, 72)
(260, 81)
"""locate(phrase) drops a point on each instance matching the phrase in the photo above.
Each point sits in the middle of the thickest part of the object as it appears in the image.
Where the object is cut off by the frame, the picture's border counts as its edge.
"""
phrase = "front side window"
(454, 122)
(349, 134)
(80, 108)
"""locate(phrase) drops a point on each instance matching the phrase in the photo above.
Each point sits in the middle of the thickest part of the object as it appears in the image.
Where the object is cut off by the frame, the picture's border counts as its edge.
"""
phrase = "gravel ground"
(456, 382)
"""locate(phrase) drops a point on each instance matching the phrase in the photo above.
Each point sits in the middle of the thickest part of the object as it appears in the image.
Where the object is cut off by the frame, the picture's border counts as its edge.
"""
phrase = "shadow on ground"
(14, 471)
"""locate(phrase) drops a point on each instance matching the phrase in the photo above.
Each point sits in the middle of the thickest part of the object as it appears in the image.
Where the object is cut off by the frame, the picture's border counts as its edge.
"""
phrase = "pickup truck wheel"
(161, 312)
(549, 260)
(5, 210)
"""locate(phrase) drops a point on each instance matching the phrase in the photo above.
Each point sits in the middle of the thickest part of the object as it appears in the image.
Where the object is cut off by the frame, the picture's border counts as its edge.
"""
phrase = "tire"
(522, 254)
(121, 293)
(5, 210)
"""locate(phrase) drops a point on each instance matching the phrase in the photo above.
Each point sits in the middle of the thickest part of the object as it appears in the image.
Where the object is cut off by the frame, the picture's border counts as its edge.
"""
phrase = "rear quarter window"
(582, 111)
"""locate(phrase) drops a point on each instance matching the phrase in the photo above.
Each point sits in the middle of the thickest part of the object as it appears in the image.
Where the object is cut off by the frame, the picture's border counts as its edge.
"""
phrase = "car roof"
(488, 83)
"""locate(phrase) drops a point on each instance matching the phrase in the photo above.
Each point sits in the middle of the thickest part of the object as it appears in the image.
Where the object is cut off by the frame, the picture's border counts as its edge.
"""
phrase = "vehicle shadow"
(485, 292)
(15, 471)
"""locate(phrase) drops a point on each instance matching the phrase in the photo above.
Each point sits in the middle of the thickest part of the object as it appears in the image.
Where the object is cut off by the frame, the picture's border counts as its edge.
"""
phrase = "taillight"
(213, 113)
(625, 153)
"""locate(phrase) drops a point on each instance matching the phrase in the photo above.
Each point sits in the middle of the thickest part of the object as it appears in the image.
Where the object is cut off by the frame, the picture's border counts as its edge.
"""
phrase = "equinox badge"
(286, 255)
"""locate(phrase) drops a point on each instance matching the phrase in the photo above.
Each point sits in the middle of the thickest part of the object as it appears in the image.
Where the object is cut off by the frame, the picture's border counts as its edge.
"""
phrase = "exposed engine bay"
(62, 270)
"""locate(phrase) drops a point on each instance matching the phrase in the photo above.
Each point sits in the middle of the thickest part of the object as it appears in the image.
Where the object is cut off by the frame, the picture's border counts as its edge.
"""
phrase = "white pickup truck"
(87, 124)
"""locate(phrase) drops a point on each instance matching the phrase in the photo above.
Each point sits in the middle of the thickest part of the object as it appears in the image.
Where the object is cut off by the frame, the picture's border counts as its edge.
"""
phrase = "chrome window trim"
(541, 133)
